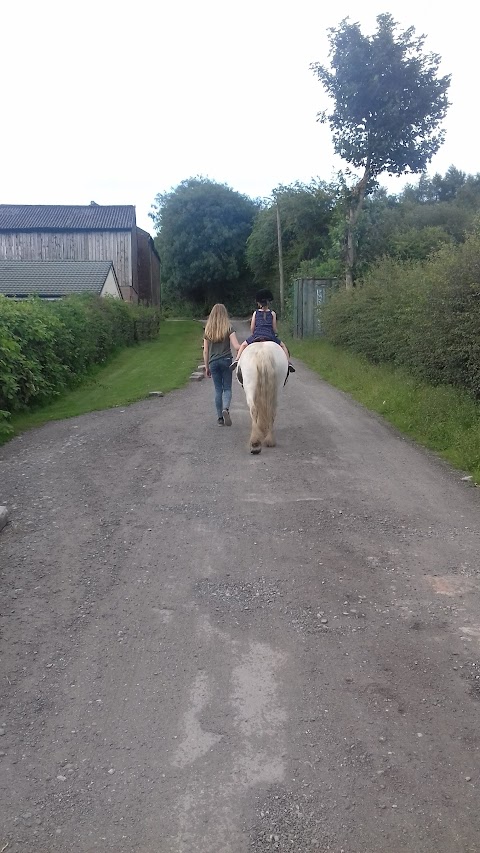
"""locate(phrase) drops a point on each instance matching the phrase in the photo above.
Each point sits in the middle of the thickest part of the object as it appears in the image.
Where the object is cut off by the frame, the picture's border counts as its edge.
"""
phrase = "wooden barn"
(84, 233)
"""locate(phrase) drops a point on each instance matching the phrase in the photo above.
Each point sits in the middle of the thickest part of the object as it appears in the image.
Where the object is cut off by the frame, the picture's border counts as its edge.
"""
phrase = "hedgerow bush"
(46, 347)
(450, 343)
(424, 316)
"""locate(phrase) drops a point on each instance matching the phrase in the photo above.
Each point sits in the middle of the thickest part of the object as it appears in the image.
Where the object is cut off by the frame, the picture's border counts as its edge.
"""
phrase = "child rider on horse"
(263, 327)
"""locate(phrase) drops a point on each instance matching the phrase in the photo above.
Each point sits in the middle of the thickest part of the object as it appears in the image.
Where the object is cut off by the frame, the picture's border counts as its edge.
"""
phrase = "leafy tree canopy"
(453, 186)
(203, 229)
(305, 215)
(388, 101)
(412, 225)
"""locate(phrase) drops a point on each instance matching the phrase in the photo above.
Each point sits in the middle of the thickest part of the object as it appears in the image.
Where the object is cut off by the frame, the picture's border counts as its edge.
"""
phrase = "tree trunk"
(354, 209)
(350, 249)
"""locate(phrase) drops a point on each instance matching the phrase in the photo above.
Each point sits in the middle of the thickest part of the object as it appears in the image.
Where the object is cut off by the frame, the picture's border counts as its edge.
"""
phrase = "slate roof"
(52, 278)
(46, 217)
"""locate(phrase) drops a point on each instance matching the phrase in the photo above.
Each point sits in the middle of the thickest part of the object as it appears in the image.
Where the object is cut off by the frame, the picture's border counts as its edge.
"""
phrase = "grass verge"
(158, 365)
(441, 418)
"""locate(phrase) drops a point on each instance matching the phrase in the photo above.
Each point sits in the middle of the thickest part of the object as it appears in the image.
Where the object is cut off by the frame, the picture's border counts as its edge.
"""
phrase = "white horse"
(262, 370)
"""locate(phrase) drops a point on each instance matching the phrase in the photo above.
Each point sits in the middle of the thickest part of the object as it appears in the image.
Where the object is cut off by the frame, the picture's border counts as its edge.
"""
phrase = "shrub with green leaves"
(46, 347)
(424, 316)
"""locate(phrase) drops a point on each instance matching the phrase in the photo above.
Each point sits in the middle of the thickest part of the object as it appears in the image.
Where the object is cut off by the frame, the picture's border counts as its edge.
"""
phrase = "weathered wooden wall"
(115, 246)
(148, 265)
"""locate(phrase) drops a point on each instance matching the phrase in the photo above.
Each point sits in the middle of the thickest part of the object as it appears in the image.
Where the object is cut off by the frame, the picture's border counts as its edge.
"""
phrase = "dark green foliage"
(388, 103)
(424, 316)
(203, 230)
(453, 186)
(400, 230)
(413, 243)
(387, 99)
(411, 226)
(450, 346)
(306, 216)
(46, 347)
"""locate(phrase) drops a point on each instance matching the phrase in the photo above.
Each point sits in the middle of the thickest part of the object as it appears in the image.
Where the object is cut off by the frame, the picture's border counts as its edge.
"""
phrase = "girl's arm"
(274, 322)
(205, 356)
(252, 323)
(234, 341)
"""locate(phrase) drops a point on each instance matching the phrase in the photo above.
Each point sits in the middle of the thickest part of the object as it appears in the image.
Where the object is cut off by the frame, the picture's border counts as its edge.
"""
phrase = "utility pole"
(280, 259)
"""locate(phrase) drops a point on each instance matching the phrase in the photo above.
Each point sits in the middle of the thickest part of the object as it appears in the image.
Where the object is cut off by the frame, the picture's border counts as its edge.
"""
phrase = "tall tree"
(388, 103)
(203, 230)
(306, 213)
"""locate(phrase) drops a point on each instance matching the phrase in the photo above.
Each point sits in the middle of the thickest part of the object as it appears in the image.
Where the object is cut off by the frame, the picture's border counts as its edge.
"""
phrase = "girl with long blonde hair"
(218, 339)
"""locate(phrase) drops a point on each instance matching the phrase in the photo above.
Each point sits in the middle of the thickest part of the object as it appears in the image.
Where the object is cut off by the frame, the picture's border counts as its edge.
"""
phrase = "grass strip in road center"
(442, 418)
(161, 364)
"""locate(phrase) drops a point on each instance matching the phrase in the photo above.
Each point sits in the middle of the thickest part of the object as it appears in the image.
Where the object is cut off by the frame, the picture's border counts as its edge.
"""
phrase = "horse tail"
(265, 398)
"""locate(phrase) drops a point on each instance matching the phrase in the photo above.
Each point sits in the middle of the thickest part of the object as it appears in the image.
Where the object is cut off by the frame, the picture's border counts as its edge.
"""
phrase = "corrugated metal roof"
(46, 217)
(52, 278)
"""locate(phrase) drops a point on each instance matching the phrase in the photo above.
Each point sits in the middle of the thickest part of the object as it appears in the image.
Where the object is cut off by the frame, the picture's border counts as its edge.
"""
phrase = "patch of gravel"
(228, 596)
(290, 821)
(307, 619)
(231, 596)
(471, 673)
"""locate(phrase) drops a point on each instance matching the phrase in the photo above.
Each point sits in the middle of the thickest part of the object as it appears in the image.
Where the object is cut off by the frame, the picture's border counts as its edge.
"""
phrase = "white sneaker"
(226, 418)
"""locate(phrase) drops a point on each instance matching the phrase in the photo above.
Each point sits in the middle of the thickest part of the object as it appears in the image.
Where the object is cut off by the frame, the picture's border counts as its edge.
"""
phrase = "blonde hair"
(218, 326)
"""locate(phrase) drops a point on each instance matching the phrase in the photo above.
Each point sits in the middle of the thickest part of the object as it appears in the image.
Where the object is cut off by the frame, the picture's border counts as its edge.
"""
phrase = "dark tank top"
(264, 324)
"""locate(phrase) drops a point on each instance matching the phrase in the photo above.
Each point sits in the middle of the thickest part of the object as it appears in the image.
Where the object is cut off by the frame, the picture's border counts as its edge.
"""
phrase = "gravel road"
(209, 652)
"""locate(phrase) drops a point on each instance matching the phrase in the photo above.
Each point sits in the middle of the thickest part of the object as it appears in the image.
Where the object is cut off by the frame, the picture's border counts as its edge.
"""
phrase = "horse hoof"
(256, 448)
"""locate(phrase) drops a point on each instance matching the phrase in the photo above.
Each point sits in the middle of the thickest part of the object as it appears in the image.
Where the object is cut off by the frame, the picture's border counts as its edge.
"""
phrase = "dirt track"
(205, 651)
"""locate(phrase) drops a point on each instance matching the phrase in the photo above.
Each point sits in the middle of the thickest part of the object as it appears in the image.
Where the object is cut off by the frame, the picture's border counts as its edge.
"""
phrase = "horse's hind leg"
(255, 435)
(270, 440)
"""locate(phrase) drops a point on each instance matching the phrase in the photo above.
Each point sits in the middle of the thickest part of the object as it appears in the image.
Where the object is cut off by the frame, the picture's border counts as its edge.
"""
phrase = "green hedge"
(46, 347)
(424, 316)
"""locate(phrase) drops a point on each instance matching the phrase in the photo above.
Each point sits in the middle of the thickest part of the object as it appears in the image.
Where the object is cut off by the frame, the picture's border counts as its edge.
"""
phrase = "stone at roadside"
(155, 394)
(3, 516)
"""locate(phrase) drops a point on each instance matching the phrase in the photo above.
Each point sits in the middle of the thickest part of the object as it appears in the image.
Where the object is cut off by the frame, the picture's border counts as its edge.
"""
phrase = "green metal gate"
(309, 294)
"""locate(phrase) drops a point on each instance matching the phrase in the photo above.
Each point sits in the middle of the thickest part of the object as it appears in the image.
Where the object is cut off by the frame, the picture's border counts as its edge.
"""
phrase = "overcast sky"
(115, 102)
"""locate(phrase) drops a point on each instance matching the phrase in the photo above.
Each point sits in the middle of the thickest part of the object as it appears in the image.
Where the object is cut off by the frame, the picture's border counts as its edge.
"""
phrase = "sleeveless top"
(264, 325)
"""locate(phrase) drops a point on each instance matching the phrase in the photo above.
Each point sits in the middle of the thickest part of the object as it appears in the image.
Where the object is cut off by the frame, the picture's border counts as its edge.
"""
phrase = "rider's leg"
(235, 361)
(291, 368)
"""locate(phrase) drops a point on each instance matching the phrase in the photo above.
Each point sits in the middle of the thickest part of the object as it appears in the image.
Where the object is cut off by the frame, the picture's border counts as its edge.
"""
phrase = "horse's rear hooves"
(256, 447)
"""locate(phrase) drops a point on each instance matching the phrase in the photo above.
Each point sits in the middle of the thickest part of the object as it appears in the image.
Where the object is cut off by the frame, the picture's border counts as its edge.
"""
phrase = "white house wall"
(110, 288)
